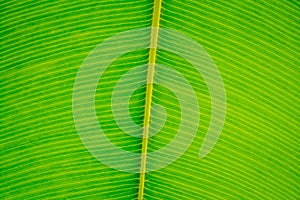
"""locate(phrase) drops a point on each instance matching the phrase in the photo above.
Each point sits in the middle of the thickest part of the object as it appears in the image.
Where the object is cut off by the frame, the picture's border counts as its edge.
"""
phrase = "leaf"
(255, 46)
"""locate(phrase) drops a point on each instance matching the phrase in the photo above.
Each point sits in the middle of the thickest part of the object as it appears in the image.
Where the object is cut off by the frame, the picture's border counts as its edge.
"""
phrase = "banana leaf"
(255, 47)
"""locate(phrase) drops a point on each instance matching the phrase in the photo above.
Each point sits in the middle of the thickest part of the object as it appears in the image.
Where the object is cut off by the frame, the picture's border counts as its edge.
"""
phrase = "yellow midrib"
(149, 91)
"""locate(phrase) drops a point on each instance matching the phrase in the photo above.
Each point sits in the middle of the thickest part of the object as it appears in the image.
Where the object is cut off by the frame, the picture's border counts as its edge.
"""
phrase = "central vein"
(149, 91)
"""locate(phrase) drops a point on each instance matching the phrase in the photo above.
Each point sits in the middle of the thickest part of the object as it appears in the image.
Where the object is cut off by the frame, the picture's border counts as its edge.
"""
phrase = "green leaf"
(254, 44)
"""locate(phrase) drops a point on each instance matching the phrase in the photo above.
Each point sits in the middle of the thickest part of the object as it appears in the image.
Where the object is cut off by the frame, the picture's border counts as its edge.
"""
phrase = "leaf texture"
(255, 45)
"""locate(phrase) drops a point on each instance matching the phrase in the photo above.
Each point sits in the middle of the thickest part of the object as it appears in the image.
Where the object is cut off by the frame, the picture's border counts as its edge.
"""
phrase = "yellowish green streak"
(149, 91)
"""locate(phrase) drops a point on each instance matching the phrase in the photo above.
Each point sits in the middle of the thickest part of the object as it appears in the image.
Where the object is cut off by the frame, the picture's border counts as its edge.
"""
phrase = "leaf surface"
(255, 45)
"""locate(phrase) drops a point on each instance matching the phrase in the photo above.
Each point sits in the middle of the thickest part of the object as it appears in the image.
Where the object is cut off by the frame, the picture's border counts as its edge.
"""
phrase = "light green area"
(255, 45)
